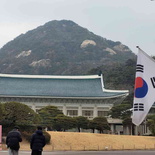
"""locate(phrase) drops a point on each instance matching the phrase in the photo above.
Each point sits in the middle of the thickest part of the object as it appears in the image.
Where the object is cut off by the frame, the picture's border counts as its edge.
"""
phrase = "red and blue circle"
(141, 87)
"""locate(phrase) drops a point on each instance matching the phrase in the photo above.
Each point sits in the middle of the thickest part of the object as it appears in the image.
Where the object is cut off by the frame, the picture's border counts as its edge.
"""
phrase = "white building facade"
(74, 95)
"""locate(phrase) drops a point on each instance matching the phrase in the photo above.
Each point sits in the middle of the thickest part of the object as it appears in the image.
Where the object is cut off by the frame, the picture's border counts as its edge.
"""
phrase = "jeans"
(13, 152)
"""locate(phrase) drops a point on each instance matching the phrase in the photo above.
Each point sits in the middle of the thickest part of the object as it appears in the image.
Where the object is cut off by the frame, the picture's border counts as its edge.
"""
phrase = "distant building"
(74, 95)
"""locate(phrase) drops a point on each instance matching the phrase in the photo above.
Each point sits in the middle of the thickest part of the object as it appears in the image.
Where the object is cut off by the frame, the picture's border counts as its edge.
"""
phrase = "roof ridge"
(51, 76)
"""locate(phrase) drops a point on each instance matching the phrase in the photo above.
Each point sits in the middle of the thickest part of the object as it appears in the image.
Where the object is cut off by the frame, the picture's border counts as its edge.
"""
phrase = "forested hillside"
(60, 48)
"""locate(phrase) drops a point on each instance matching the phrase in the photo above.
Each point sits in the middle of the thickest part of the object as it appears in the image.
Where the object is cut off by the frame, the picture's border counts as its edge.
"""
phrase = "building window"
(102, 113)
(39, 107)
(87, 113)
(85, 108)
(72, 113)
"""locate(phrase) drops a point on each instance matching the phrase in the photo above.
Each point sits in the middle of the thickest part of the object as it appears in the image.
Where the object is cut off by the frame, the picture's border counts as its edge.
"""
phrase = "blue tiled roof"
(53, 87)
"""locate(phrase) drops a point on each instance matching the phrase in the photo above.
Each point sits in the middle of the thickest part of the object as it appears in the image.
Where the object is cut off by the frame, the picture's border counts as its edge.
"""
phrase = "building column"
(145, 127)
(112, 128)
(64, 110)
(95, 111)
(34, 107)
(129, 130)
(125, 130)
(136, 130)
(80, 110)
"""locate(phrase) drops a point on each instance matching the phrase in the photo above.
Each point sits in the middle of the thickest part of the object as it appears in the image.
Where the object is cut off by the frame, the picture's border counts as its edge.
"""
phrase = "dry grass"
(90, 141)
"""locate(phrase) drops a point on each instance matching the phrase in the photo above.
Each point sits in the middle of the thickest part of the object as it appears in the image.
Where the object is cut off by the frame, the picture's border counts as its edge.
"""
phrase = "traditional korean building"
(74, 95)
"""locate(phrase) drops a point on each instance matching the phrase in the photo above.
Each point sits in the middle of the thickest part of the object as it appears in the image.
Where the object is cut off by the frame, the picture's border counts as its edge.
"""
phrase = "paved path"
(87, 153)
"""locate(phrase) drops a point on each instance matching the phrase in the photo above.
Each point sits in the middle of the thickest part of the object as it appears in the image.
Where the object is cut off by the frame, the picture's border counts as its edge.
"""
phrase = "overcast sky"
(131, 22)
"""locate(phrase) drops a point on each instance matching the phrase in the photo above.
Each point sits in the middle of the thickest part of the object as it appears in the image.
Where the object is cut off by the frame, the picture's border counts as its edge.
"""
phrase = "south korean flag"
(144, 91)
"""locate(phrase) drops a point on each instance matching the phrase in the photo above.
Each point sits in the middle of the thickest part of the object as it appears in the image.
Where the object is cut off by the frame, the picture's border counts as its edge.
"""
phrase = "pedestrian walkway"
(145, 152)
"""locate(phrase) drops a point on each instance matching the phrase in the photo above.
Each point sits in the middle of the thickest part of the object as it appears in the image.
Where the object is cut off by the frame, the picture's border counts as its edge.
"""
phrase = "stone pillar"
(124, 130)
(95, 111)
(80, 110)
(112, 127)
(136, 130)
(34, 107)
(129, 130)
(145, 127)
(64, 110)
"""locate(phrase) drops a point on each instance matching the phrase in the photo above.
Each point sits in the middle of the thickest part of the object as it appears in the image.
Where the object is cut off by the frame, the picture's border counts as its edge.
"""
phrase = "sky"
(132, 22)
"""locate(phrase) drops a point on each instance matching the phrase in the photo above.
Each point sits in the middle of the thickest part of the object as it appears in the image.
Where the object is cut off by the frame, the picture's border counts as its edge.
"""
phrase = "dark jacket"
(37, 141)
(12, 140)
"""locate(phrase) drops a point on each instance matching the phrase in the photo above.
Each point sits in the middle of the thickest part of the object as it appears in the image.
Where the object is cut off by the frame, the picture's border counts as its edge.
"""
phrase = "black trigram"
(139, 68)
(138, 107)
(153, 81)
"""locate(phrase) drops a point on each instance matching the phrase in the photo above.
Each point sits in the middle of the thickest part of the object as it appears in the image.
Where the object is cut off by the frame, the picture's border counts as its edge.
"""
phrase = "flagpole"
(145, 53)
(140, 49)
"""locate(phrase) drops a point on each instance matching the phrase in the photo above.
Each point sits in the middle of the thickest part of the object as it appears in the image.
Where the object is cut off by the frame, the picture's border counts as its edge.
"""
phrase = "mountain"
(60, 48)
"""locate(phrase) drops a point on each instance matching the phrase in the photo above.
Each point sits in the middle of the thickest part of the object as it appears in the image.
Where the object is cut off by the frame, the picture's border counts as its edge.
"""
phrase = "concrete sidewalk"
(145, 152)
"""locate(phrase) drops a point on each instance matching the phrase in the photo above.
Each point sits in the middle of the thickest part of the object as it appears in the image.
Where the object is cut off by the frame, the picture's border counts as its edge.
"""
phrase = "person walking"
(37, 142)
(12, 141)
